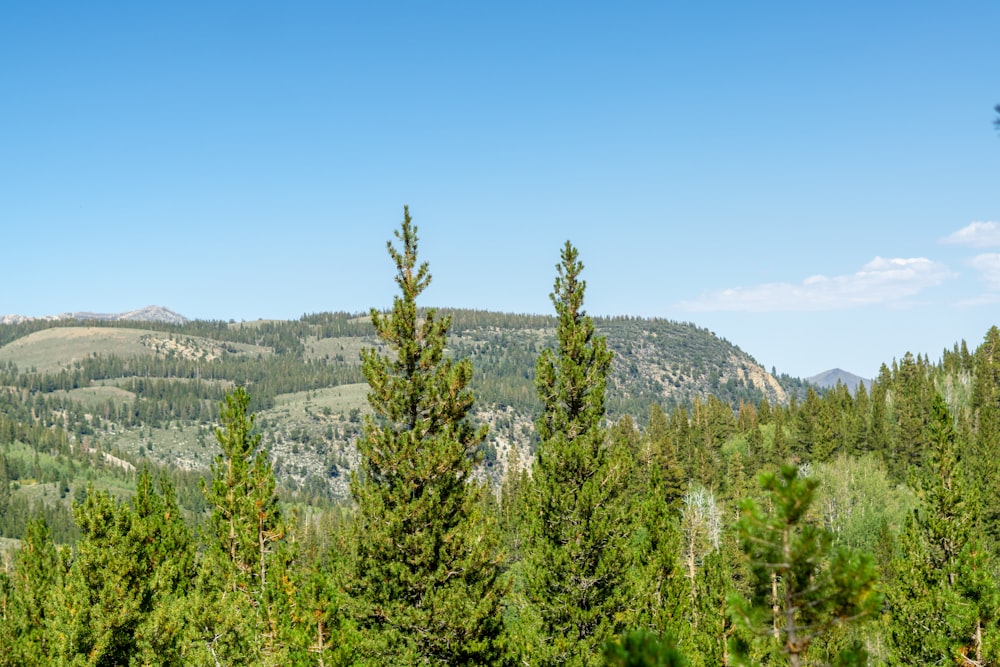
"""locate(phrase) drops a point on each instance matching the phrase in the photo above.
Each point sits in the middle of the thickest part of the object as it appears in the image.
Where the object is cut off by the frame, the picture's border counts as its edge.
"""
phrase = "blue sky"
(819, 183)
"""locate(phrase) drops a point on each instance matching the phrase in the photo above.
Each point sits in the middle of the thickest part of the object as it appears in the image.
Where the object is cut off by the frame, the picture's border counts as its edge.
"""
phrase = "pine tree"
(986, 447)
(36, 578)
(660, 457)
(577, 552)
(724, 571)
(943, 596)
(781, 453)
(511, 505)
(237, 618)
(322, 632)
(641, 648)
(427, 560)
(803, 586)
(124, 592)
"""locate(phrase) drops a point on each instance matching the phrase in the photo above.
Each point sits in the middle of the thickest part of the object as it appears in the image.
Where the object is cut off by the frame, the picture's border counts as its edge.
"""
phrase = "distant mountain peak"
(153, 314)
(830, 378)
(147, 314)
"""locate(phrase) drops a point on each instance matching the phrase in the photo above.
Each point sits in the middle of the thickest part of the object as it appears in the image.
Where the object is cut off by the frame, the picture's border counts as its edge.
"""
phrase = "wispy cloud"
(976, 234)
(988, 266)
(986, 299)
(880, 281)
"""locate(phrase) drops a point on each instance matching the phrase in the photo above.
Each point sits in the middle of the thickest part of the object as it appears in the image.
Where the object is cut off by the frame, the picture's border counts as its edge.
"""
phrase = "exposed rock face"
(152, 314)
(147, 314)
(759, 378)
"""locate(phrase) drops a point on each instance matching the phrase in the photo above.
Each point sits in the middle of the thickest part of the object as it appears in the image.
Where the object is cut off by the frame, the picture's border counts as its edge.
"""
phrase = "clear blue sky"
(817, 182)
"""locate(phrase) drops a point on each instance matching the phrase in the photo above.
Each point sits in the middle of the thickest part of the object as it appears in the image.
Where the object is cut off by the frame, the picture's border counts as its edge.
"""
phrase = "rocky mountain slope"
(150, 390)
(147, 314)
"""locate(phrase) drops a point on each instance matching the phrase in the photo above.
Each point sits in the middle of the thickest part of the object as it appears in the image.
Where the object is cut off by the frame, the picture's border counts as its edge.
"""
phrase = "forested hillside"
(184, 494)
(150, 392)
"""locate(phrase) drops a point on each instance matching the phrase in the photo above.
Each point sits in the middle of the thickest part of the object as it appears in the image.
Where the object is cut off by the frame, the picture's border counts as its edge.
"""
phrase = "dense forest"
(725, 527)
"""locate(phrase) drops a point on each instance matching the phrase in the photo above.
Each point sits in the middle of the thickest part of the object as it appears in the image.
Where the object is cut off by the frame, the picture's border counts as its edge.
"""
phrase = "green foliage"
(856, 498)
(427, 563)
(129, 574)
(943, 596)
(803, 586)
(641, 648)
(28, 596)
(577, 549)
(240, 575)
(619, 526)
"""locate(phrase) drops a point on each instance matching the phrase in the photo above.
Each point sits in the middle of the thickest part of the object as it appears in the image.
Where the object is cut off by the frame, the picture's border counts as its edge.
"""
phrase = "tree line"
(841, 529)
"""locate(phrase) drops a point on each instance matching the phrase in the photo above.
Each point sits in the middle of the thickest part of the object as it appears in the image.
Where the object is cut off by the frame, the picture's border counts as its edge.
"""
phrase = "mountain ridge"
(150, 391)
(829, 379)
(150, 313)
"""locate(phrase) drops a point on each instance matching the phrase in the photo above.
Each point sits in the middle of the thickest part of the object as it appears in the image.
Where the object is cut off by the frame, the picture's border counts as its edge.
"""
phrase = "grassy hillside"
(148, 392)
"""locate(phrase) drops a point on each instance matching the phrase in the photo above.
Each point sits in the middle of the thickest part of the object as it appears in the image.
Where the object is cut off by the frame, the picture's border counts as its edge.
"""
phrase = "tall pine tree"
(803, 586)
(577, 550)
(238, 617)
(943, 598)
(427, 557)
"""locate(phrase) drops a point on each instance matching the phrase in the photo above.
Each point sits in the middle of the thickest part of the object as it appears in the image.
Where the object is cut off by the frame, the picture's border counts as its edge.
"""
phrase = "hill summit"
(830, 378)
(147, 314)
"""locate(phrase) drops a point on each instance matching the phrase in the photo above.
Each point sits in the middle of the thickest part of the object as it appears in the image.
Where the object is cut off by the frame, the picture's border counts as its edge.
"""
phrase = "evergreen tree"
(781, 453)
(322, 632)
(236, 618)
(878, 436)
(724, 571)
(986, 447)
(803, 586)
(34, 584)
(511, 506)
(641, 648)
(577, 553)
(660, 457)
(427, 558)
(124, 592)
(912, 396)
(943, 597)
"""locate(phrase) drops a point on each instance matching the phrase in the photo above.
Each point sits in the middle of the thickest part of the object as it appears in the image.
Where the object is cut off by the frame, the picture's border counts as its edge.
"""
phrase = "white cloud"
(981, 300)
(880, 281)
(977, 234)
(988, 266)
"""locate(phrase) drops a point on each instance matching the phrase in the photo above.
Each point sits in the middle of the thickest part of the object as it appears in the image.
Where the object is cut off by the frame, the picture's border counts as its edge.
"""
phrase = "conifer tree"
(427, 561)
(123, 595)
(660, 457)
(641, 648)
(237, 618)
(36, 578)
(986, 447)
(321, 630)
(781, 453)
(577, 555)
(803, 586)
(511, 505)
(943, 597)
